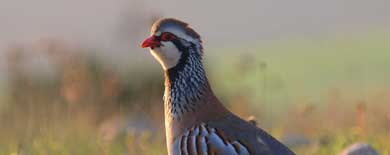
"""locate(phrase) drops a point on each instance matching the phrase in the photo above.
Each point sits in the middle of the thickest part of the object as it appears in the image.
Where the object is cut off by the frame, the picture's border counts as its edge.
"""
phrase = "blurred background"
(74, 81)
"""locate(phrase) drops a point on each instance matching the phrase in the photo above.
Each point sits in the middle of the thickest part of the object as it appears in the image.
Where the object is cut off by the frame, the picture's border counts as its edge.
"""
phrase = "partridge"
(196, 122)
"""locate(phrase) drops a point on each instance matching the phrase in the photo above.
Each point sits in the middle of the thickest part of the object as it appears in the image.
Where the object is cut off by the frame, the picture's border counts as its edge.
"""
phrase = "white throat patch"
(167, 55)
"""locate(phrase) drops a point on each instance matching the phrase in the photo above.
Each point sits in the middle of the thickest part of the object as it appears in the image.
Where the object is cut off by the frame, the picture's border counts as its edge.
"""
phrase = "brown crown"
(171, 22)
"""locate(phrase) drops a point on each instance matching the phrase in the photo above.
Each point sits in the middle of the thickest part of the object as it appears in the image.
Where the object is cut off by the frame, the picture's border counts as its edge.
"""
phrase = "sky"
(219, 22)
(118, 26)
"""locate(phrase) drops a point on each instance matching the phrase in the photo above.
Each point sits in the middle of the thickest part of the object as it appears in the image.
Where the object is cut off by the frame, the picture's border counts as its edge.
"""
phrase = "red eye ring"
(167, 36)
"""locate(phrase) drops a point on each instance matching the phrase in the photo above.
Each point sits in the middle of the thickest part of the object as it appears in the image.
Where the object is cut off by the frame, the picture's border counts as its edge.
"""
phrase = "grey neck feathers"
(185, 84)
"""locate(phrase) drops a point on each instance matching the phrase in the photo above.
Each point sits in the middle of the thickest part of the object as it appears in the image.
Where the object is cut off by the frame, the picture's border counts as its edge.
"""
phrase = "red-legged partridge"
(195, 120)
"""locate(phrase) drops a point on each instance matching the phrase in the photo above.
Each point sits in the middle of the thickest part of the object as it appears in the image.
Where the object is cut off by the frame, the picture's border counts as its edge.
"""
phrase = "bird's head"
(171, 40)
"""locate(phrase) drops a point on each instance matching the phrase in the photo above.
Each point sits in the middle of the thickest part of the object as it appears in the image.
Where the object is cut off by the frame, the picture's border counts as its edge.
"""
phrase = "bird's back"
(256, 140)
(213, 130)
(225, 135)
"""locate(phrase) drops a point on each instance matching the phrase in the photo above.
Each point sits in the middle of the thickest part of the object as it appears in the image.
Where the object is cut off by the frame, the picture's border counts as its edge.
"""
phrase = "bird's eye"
(167, 36)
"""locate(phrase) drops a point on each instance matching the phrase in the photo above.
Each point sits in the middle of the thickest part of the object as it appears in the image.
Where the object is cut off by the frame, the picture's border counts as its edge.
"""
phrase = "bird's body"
(195, 120)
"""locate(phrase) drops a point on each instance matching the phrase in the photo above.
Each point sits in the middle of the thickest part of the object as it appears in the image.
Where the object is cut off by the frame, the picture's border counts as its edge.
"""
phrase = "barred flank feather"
(203, 140)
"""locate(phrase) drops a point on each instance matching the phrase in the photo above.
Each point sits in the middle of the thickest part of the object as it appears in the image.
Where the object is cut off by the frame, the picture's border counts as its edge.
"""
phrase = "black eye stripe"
(166, 36)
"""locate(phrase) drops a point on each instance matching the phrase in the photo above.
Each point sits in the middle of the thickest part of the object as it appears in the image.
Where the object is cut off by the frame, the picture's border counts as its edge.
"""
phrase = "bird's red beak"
(150, 42)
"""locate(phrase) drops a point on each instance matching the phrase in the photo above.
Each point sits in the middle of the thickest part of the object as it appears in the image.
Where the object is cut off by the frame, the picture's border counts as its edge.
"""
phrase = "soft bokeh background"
(73, 79)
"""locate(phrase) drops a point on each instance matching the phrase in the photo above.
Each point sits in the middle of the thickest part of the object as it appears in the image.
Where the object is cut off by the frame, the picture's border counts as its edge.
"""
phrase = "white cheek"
(167, 55)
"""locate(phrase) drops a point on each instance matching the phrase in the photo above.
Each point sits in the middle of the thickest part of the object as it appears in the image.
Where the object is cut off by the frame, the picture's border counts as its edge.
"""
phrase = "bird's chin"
(167, 59)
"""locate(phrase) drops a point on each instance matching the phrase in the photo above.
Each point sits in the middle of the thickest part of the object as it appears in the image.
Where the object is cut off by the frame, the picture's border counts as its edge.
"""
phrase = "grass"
(332, 92)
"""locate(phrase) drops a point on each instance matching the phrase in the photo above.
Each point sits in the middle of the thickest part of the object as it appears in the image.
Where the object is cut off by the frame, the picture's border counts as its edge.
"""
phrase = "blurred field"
(317, 96)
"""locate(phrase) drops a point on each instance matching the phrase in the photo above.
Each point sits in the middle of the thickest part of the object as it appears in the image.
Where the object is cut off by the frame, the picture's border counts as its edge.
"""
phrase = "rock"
(359, 149)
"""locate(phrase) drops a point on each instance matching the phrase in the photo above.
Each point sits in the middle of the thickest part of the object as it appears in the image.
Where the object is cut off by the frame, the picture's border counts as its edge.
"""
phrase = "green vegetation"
(329, 92)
